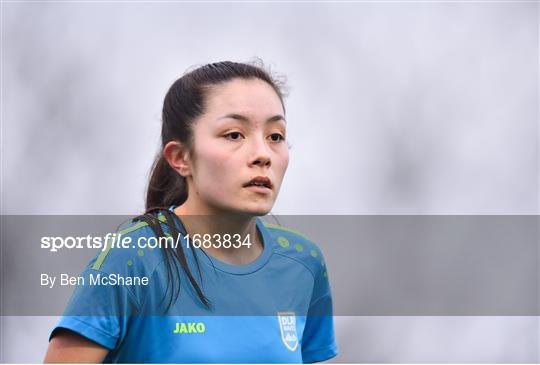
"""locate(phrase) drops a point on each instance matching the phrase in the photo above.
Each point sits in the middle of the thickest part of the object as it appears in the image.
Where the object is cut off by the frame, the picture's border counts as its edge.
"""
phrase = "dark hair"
(184, 103)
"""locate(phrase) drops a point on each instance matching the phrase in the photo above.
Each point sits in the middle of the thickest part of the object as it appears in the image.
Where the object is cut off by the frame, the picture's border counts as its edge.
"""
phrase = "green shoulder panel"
(132, 229)
(295, 244)
(284, 229)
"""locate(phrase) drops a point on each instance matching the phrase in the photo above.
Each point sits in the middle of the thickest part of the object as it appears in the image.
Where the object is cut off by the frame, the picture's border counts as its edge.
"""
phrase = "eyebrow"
(245, 119)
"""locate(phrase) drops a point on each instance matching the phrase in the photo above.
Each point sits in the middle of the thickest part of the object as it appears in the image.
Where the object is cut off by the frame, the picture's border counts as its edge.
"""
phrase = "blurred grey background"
(394, 108)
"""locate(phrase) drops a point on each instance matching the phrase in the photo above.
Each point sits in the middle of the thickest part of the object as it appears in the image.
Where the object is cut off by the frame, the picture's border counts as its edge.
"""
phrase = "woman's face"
(241, 136)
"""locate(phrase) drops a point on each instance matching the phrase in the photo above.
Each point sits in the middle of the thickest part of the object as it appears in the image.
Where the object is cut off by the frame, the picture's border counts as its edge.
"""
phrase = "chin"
(262, 212)
(258, 210)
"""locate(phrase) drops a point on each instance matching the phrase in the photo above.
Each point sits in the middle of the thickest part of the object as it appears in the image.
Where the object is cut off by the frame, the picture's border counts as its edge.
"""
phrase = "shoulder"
(127, 250)
(298, 247)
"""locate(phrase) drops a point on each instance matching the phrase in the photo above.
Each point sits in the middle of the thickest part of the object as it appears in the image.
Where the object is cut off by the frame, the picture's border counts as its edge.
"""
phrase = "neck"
(197, 220)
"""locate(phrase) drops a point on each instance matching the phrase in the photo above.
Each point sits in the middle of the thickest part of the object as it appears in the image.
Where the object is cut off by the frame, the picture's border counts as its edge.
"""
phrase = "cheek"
(283, 162)
(215, 167)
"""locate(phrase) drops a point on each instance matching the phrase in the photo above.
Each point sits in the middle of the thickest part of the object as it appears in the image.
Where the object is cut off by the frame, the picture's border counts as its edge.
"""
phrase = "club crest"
(287, 326)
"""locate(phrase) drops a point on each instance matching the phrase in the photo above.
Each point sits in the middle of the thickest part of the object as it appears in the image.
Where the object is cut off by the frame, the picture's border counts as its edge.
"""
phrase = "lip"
(264, 179)
(260, 189)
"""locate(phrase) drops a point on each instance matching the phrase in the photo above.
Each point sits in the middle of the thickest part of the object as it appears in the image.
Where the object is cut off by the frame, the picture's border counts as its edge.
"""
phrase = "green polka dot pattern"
(283, 242)
(298, 247)
(325, 274)
(140, 252)
(313, 253)
(129, 262)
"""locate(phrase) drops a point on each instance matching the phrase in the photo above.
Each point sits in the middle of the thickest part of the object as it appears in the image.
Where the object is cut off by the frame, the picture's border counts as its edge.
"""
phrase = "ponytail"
(165, 188)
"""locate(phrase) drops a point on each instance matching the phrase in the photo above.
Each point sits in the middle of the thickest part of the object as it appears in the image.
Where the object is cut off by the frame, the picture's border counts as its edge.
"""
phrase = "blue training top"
(277, 309)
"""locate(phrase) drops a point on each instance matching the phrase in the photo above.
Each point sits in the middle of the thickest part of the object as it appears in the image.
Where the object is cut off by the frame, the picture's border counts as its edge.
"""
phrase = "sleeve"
(318, 341)
(98, 312)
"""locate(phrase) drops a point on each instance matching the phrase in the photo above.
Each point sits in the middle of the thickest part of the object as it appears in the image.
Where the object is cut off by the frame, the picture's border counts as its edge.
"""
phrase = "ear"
(177, 155)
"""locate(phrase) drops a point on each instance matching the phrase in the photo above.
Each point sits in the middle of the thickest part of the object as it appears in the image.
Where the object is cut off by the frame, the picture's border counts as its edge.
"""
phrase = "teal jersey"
(277, 309)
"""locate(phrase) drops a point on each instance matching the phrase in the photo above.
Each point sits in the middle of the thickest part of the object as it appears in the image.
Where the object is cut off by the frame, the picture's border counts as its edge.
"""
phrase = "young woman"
(233, 289)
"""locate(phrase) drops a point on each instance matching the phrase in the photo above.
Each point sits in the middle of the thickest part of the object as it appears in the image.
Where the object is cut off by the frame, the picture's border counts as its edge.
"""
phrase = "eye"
(233, 136)
(276, 137)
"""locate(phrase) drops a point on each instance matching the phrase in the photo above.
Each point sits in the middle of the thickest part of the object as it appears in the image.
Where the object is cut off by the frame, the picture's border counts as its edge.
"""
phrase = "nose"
(261, 153)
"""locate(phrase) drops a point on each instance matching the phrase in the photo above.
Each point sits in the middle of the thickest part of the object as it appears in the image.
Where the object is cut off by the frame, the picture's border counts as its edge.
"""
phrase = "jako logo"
(191, 327)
